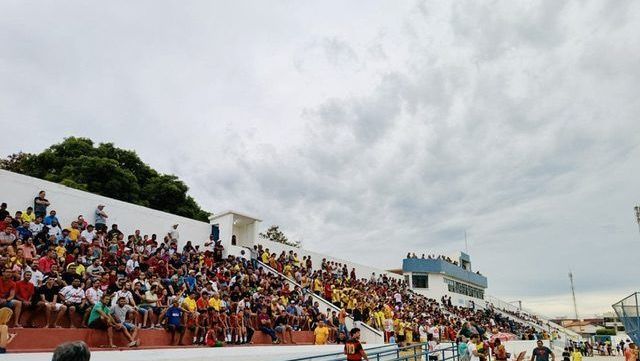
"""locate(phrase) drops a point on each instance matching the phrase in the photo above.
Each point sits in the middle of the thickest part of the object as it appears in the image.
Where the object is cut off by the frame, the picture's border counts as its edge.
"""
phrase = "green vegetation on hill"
(108, 171)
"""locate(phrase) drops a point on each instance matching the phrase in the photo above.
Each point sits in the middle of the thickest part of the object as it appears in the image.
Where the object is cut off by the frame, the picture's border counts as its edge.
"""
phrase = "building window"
(419, 281)
(464, 289)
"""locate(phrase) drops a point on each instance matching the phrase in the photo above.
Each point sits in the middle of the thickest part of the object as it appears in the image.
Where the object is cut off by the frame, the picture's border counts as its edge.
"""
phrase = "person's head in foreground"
(72, 351)
(355, 333)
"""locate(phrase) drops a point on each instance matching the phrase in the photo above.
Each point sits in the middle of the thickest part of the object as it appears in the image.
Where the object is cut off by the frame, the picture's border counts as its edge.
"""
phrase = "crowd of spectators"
(439, 257)
(388, 304)
(90, 274)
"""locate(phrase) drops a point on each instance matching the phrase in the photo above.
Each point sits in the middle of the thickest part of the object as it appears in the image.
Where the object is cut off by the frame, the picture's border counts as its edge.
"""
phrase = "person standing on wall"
(40, 204)
(101, 218)
(174, 235)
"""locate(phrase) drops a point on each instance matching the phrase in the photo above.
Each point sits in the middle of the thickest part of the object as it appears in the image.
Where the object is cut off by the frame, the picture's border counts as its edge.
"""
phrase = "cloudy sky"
(366, 129)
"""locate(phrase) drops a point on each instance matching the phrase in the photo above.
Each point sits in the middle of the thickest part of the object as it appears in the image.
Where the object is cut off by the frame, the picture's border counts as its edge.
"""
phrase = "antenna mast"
(573, 293)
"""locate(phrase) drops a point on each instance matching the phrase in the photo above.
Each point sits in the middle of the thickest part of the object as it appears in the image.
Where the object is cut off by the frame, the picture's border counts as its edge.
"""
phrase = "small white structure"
(231, 223)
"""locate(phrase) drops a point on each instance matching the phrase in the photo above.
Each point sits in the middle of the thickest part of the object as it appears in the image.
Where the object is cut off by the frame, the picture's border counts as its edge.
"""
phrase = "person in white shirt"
(92, 294)
(88, 235)
(132, 263)
(435, 331)
(422, 331)
(473, 348)
(36, 226)
(173, 233)
(126, 293)
(398, 298)
(74, 299)
(36, 276)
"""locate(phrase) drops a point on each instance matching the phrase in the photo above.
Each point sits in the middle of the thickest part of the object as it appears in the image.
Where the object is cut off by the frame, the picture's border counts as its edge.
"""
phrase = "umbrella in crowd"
(503, 336)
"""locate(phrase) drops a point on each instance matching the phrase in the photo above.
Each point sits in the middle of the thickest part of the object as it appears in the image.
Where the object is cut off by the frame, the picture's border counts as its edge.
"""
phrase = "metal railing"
(378, 336)
(415, 352)
(501, 305)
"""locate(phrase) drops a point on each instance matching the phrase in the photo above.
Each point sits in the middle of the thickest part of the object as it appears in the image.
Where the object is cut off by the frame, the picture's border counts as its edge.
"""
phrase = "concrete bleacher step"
(47, 339)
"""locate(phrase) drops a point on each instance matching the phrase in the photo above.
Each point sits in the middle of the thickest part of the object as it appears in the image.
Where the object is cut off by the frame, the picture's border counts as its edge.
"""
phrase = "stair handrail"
(318, 298)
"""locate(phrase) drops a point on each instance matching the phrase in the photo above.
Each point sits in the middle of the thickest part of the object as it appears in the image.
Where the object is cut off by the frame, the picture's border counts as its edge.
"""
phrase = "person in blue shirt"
(174, 316)
(190, 280)
(50, 218)
(23, 231)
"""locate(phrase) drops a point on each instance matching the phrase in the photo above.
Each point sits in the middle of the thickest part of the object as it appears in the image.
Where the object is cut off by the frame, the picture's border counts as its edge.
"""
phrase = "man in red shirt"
(7, 295)
(24, 293)
(353, 349)
(46, 262)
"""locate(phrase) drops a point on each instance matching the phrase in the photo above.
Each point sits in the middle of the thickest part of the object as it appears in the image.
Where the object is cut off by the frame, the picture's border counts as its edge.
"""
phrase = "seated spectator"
(119, 313)
(101, 319)
(74, 298)
(48, 299)
(283, 327)
(8, 295)
(265, 325)
(174, 322)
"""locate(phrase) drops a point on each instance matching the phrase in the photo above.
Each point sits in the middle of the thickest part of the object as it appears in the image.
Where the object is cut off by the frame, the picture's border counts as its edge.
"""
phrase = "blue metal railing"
(415, 352)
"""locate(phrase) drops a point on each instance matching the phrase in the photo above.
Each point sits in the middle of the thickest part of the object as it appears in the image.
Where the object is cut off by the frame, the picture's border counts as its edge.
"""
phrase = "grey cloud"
(515, 123)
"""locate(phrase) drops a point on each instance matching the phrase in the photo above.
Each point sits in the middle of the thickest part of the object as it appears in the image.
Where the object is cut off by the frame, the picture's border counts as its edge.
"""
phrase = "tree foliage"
(109, 171)
(274, 234)
(606, 331)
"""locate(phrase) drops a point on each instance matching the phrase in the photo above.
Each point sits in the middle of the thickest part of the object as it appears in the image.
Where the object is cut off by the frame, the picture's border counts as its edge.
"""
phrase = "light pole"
(637, 209)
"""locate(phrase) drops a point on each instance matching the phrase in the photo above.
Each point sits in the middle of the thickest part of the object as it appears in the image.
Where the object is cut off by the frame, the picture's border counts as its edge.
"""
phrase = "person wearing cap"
(48, 220)
(173, 234)
(100, 218)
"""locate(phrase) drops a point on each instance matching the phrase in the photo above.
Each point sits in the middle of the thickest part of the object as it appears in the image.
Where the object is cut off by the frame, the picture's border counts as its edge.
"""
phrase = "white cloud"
(383, 127)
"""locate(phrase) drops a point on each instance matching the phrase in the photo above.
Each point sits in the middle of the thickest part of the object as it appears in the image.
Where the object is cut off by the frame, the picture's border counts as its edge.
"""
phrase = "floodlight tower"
(637, 209)
(573, 293)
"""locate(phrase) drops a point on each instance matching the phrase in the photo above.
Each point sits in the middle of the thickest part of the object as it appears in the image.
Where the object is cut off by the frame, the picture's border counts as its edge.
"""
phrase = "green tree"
(109, 171)
(274, 234)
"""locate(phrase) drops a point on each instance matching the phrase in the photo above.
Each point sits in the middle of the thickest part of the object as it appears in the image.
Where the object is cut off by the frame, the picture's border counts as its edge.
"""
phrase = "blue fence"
(415, 352)
(628, 312)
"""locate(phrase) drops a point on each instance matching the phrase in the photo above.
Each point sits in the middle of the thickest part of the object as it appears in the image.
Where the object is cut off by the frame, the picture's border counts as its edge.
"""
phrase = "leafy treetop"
(108, 171)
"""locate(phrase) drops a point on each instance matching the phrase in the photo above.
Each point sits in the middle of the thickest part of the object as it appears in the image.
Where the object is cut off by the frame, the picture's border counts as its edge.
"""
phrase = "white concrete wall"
(18, 191)
(261, 353)
(362, 271)
(515, 347)
(225, 224)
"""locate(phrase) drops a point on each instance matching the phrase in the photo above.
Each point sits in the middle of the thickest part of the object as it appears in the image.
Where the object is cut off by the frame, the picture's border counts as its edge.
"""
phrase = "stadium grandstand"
(79, 266)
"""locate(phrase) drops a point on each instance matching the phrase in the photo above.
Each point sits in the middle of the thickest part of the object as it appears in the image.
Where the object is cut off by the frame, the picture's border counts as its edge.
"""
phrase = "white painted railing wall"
(18, 191)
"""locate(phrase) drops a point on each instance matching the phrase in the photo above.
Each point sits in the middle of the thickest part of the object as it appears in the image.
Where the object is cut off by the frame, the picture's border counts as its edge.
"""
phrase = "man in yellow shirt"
(60, 251)
(215, 302)
(317, 286)
(190, 303)
(28, 216)
(74, 232)
(321, 333)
